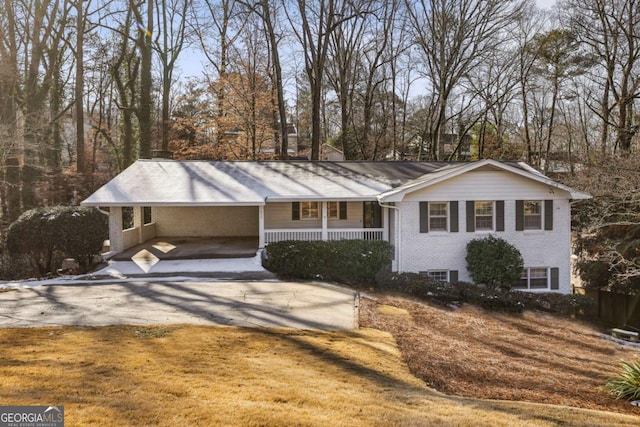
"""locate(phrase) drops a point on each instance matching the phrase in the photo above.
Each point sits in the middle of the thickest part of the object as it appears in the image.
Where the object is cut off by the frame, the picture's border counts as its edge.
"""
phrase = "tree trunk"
(144, 110)
(277, 69)
(79, 89)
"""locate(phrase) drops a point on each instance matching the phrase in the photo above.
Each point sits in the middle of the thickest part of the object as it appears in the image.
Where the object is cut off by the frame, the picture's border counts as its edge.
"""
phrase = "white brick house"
(428, 211)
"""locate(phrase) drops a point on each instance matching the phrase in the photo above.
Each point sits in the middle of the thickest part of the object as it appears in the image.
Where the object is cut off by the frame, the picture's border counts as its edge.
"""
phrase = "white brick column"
(116, 243)
(138, 221)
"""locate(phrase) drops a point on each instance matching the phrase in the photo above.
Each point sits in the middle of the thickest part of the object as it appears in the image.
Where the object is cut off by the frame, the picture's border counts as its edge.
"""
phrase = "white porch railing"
(276, 235)
(355, 233)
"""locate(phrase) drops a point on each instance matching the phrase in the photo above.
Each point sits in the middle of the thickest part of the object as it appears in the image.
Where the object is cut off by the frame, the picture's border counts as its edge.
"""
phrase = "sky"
(545, 4)
(191, 62)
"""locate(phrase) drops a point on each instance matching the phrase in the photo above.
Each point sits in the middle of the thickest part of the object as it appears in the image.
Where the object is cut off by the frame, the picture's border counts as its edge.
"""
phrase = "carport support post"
(116, 243)
(261, 227)
(137, 222)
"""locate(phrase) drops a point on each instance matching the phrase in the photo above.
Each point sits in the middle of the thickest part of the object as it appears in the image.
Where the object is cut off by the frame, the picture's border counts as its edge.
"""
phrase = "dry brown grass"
(206, 376)
(531, 357)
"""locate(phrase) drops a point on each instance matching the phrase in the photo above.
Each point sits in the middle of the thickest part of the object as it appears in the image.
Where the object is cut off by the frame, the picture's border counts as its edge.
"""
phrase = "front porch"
(279, 234)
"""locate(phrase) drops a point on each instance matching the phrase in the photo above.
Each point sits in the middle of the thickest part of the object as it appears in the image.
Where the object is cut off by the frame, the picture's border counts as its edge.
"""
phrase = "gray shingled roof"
(209, 183)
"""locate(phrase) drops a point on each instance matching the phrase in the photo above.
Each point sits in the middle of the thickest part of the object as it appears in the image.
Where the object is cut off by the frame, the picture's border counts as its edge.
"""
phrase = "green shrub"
(627, 384)
(513, 301)
(493, 262)
(42, 233)
(417, 285)
(351, 261)
(574, 305)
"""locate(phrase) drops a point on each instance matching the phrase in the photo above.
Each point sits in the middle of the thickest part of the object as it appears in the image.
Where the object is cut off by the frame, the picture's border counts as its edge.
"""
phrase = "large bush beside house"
(493, 262)
(349, 261)
(40, 234)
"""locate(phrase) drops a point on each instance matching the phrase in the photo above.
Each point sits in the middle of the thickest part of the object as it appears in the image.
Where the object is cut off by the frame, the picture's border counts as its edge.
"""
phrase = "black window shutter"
(453, 276)
(342, 207)
(471, 216)
(499, 215)
(453, 217)
(424, 217)
(548, 214)
(295, 211)
(555, 278)
(519, 215)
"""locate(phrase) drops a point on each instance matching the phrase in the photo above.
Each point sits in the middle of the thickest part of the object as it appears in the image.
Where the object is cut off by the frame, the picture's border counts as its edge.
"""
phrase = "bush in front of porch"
(348, 261)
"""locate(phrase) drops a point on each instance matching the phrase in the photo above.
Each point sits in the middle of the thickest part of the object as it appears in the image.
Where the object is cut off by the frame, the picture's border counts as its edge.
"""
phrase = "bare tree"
(169, 44)
(218, 26)
(452, 36)
(343, 71)
(268, 12)
(558, 60)
(79, 85)
(531, 22)
(314, 23)
(610, 29)
(145, 46)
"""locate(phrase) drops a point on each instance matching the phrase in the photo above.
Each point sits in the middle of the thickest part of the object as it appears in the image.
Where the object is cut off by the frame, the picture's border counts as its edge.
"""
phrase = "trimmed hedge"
(513, 301)
(72, 231)
(349, 261)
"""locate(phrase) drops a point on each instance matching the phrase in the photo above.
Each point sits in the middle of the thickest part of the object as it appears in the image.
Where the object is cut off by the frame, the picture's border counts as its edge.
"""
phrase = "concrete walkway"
(219, 268)
(158, 301)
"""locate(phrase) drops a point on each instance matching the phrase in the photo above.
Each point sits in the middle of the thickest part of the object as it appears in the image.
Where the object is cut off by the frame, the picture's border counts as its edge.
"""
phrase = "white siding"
(278, 215)
(487, 185)
(205, 221)
(446, 251)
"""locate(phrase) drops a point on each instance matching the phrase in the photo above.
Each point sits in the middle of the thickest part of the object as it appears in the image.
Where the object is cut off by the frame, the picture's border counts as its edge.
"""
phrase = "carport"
(177, 248)
(181, 211)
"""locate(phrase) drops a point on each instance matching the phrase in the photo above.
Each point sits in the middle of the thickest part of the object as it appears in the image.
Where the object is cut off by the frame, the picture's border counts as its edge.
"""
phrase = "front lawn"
(473, 352)
(205, 376)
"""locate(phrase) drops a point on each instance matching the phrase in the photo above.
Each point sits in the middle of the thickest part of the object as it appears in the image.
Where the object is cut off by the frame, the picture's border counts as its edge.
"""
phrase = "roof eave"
(91, 203)
(323, 199)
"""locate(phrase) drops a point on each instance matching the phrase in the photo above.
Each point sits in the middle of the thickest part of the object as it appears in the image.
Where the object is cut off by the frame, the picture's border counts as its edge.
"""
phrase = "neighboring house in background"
(451, 145)
(330, 153)
(562, 163)
(428, 211)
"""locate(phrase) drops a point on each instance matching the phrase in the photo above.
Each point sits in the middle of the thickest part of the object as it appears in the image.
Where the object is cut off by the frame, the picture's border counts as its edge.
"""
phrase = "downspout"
(397, 230)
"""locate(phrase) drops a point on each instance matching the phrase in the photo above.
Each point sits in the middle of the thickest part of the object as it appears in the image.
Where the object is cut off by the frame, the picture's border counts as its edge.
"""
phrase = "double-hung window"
(532, 214)
(484, 216)
(533, 278)
(438, 275)
(309, 210)
(438, 216)
(333, 211)
(441, 275)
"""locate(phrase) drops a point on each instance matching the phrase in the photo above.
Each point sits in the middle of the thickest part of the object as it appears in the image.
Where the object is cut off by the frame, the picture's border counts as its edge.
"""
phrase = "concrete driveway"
(154, 301)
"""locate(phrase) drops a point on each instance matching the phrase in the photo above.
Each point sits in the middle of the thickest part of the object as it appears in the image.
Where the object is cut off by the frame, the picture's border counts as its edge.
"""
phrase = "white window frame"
(445, 216)
(431, 273)
(476, 216)
(539, 215)
(307, 207)
(526, 275)
(333, 214)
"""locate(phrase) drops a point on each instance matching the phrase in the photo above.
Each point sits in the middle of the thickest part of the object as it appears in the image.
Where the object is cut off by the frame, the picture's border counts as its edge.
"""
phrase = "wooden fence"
(616, 309)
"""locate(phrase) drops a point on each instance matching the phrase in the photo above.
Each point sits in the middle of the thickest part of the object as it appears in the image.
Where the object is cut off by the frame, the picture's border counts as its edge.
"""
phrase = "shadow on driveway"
(238, 303)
